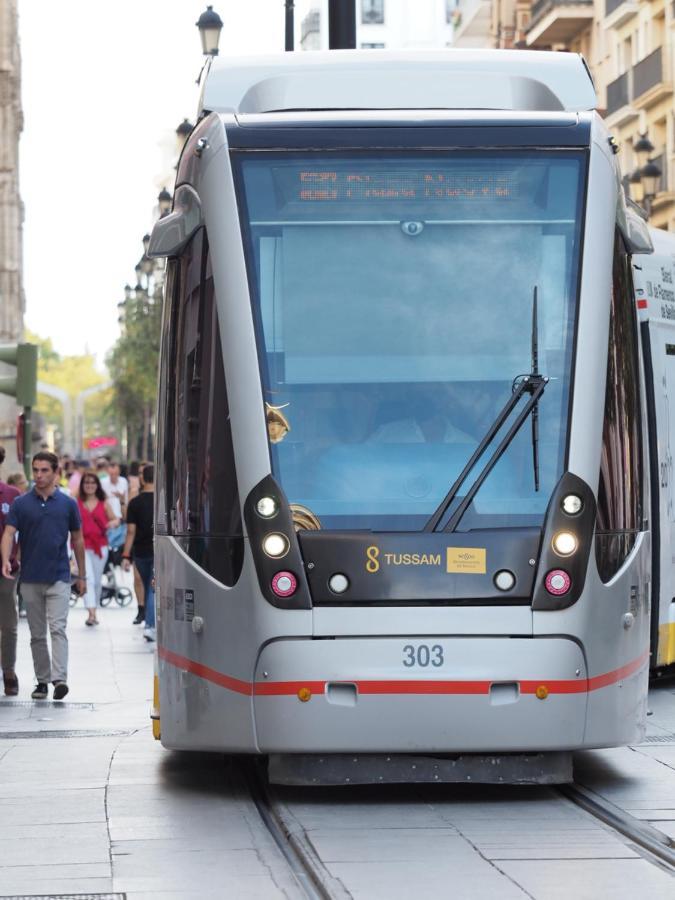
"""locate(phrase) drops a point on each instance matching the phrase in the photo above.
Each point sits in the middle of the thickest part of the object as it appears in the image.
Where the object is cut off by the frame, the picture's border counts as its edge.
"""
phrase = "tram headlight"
(267, 507)
(276, 545)
(572, 504)
(564, 543)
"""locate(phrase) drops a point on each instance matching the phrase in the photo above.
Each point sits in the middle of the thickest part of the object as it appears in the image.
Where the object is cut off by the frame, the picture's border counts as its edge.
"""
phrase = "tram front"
(448, 499)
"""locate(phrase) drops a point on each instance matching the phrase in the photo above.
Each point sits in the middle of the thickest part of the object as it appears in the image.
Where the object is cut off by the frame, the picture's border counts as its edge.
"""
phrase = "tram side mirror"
(172, 232)
(633, 226)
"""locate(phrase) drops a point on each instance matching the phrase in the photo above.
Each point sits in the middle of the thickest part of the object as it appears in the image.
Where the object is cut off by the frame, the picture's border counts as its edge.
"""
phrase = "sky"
(104, 86)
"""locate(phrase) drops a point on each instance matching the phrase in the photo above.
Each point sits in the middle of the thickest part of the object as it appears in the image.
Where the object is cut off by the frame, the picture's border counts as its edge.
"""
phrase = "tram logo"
(373, 563)
(467, 560)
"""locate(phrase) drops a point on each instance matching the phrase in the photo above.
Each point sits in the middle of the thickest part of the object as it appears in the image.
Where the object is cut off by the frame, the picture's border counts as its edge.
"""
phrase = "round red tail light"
(557, 582)
(284, 584)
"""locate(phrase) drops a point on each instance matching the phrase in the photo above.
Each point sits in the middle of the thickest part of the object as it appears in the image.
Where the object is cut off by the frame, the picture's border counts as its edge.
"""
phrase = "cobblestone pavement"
(89, 803)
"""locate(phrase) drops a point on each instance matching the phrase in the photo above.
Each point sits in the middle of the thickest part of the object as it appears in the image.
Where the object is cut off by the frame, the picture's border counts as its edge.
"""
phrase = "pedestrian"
(8, 613)
(80, 466)
(19, 481)
(134, 480)
(97, 517)
(117, 491)
(139, 543)
(44, 517)
(102, 465)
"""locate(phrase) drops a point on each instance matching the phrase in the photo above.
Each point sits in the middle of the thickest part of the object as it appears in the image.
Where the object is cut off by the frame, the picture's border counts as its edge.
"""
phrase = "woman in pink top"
(97, 517)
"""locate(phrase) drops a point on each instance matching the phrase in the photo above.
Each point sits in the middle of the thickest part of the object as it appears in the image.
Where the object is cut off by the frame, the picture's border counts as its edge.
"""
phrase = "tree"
(73, 374)
(133, 364)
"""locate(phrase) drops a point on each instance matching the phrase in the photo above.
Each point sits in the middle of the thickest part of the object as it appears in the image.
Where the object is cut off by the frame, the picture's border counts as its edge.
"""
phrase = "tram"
(403, 470)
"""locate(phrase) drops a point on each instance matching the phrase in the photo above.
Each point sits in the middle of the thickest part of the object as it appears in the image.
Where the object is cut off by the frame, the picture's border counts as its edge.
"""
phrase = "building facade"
(11, 210)
(386, 24)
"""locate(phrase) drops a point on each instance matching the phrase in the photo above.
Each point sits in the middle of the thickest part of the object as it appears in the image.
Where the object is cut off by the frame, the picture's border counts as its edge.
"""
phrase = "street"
(92, 804)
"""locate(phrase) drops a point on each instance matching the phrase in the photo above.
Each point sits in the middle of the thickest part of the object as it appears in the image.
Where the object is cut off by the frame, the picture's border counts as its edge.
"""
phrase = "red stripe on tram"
(182, 662)
(290, 688)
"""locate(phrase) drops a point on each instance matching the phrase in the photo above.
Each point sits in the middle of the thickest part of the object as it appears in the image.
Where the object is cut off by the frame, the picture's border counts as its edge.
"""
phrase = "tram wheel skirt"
(346, 769)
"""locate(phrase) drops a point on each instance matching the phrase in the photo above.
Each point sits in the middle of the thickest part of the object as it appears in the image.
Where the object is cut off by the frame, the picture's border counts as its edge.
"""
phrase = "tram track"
(313, 878)
(317, 883)
(656, 843)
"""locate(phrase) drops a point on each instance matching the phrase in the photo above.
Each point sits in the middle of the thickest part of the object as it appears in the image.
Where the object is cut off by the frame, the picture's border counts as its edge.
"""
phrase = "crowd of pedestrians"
(59, 532)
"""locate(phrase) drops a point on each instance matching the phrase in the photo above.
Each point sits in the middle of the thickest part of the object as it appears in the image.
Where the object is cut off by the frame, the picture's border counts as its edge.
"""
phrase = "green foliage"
(133, 364)
(72, 374)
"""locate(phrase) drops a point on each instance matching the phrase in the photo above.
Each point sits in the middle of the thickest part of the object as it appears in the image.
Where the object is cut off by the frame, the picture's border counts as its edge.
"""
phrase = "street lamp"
(164, 199)
(210, 25)
(183, 132)
(643, 146)
(649, 176)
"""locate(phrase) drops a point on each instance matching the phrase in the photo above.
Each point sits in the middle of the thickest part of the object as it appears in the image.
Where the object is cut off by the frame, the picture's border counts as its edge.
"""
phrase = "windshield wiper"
(532, 384)
(535, 408)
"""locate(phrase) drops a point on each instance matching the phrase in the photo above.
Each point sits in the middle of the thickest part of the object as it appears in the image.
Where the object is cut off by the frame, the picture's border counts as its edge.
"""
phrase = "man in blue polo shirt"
(43, 519)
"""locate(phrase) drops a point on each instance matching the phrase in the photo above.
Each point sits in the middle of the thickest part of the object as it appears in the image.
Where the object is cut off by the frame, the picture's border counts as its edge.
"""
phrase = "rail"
(312, 876)
(647, 837)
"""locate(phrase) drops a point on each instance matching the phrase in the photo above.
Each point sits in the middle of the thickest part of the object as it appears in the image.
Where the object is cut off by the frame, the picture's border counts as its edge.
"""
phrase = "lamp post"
(210, 25)
(290, 28)
(164, 200)
(646, 174)
(643, 146)
(182, 133)
(649, 176)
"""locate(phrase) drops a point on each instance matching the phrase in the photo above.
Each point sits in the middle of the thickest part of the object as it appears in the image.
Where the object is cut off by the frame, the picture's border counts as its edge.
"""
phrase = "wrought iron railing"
(647, 73)
(662, 163)
(618, 93)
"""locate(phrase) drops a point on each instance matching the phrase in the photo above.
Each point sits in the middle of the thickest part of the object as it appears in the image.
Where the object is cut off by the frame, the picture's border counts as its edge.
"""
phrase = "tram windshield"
(393, 299)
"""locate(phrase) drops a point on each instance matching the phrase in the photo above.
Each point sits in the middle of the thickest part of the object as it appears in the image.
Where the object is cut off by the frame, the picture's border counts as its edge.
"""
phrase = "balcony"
(618, 12)
(618, 93)
(662, 163)
(473, 29)
(558, 21)
(651, 82)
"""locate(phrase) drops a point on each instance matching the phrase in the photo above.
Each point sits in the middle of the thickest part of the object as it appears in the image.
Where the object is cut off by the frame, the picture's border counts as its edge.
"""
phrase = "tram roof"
(517, 80)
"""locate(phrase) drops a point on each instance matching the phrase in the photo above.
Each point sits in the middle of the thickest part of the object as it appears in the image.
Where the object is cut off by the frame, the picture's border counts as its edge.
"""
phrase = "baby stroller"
(111, 589)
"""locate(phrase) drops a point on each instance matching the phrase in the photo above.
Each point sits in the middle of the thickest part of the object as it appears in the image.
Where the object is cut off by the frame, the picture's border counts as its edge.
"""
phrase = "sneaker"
(41, 691)
(60, 690)
(11, 684)
(149, 634)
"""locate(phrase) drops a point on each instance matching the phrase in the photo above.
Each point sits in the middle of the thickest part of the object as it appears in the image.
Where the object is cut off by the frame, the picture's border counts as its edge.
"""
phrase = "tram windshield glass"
(393, 299)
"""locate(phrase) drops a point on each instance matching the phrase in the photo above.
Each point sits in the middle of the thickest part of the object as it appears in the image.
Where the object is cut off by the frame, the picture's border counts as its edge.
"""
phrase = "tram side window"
(163, 473)
(620, 487)
(206, 513)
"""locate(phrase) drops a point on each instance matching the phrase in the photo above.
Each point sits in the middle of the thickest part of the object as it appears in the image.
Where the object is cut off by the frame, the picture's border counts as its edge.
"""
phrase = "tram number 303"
(423, 655)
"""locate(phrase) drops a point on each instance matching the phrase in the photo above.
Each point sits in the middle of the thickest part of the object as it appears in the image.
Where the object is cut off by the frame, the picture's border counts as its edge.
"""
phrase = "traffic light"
(23, 384)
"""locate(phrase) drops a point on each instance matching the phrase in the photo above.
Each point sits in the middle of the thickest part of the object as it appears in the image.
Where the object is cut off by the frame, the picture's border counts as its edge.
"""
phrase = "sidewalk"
(90, 803)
